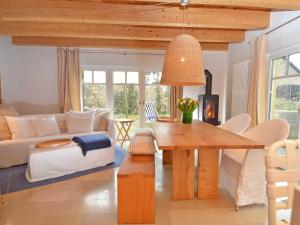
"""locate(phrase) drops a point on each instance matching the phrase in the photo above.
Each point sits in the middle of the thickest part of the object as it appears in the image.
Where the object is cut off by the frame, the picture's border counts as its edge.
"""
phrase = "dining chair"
(283, 175)
(237, 124)
(242, 171)
(296, 207)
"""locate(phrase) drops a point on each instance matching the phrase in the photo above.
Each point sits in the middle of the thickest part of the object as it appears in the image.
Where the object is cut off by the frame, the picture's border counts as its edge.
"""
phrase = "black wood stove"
(208, 110)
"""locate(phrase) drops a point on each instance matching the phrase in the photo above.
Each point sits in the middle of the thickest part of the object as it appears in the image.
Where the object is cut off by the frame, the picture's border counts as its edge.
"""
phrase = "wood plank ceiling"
(139, 24)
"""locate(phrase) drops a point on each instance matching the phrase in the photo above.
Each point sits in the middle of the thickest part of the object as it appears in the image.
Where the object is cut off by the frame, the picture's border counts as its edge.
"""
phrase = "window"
(124, 91)
(154, 92)
(94, 89)
(126, 94)
(285, 91)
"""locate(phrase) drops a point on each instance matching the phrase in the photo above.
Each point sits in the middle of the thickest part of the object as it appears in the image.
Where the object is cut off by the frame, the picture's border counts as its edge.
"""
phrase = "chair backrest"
(150, 111)
(296, 207)
(283, 174)
(237, 124)
(269, 132)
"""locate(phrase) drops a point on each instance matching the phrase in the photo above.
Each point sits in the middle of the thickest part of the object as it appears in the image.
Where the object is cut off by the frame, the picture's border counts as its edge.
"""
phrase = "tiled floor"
(91, 200)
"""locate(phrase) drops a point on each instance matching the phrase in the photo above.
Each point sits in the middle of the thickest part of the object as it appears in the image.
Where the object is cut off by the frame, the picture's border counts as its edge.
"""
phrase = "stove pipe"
(208, 77)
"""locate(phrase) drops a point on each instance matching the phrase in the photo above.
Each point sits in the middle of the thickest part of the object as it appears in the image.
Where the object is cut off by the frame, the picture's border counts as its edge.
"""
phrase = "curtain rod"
(123, 52)
(282, 25)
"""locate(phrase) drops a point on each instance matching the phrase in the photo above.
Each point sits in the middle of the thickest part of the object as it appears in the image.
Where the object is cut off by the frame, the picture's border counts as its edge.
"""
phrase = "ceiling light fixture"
(184, 2)
(183, 65)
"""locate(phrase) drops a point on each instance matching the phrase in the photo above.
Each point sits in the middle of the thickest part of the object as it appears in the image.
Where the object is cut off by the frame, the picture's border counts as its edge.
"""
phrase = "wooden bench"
(136, 190)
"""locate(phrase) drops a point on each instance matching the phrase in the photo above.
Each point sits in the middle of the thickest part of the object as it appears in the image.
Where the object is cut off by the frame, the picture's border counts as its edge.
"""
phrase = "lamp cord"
(183, 19)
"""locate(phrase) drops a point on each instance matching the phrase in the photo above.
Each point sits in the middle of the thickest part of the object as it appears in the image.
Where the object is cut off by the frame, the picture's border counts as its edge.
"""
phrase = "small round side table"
(123, 126)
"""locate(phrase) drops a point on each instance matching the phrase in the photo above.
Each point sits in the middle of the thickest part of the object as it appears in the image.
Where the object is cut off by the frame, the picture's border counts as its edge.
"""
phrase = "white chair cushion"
(20, 127)
(45, 126)
(80, 122)
(237, 155)
(144, 132)
(142, 145)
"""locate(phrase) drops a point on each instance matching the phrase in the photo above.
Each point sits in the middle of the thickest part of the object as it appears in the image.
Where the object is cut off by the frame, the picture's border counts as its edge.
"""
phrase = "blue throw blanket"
(92, 142)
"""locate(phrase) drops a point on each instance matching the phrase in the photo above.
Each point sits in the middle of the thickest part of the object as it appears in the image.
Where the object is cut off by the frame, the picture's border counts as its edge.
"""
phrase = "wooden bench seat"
(136, 190)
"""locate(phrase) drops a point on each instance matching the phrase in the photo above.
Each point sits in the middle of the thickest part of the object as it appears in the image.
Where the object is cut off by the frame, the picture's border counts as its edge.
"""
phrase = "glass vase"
(187, 117)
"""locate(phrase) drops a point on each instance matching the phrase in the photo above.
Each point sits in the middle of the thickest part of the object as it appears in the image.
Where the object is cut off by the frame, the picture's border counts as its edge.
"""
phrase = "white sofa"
(15, 152)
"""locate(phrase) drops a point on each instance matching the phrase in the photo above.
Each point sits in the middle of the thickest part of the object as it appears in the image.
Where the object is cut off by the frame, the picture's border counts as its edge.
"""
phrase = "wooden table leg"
(166, 157)
(183, 174)
(208, 173)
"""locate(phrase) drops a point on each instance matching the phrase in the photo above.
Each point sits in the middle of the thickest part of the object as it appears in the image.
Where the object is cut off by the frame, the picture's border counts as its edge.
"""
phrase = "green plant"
(187, 104)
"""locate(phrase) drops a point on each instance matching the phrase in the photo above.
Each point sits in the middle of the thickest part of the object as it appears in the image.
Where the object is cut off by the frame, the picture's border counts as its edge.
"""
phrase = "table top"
(198, 135)
(53, 143)
(124, 120)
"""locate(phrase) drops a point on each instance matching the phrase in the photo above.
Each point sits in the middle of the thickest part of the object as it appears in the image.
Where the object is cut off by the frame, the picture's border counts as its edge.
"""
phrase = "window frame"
(276, 55)
(108, 80)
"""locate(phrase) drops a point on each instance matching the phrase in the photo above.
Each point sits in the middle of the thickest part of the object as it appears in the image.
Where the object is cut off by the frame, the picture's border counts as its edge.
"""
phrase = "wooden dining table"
(183, 140)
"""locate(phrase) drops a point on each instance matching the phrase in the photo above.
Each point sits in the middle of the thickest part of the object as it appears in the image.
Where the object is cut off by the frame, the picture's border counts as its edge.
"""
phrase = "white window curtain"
(176, 93)
(69, 79)
(0, 91)
(257, 95)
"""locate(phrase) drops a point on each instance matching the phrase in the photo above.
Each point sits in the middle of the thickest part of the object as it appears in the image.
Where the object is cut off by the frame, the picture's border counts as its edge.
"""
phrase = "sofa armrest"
(111, 129)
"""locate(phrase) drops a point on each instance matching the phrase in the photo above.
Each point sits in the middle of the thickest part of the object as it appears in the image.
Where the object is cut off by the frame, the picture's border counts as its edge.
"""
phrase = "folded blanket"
(92, 142)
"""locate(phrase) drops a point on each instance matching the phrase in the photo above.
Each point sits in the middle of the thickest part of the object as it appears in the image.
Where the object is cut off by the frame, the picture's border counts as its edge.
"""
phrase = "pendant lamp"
(183, 65)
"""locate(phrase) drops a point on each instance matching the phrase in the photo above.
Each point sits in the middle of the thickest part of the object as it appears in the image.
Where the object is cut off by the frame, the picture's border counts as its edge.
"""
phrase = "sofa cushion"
(101, 120)
(45, 126)
(80, 122)
(20, 127)
(4, 129)
(61, 122)
(59, 117)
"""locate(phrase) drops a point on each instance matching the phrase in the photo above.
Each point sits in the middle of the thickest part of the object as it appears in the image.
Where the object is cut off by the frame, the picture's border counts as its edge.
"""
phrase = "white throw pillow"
(20, 127)
(101, 119)
(45, 126)
(142, 145)
(5, 110)
(80, 122)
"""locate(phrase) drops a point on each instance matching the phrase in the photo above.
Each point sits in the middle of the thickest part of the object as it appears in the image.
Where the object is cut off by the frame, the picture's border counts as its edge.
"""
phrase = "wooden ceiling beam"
(105, 43)
(250, 4)
(93, 12)
(123, 32)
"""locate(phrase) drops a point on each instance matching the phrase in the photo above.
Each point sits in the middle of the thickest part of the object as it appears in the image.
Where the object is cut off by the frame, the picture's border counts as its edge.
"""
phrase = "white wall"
(8, 71)
(152, 60)
(38, 83)
(282, 38)
(33, 84)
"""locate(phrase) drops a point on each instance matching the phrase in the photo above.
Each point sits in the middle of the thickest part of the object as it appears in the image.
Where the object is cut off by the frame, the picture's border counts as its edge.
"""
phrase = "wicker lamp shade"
(183, 65)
